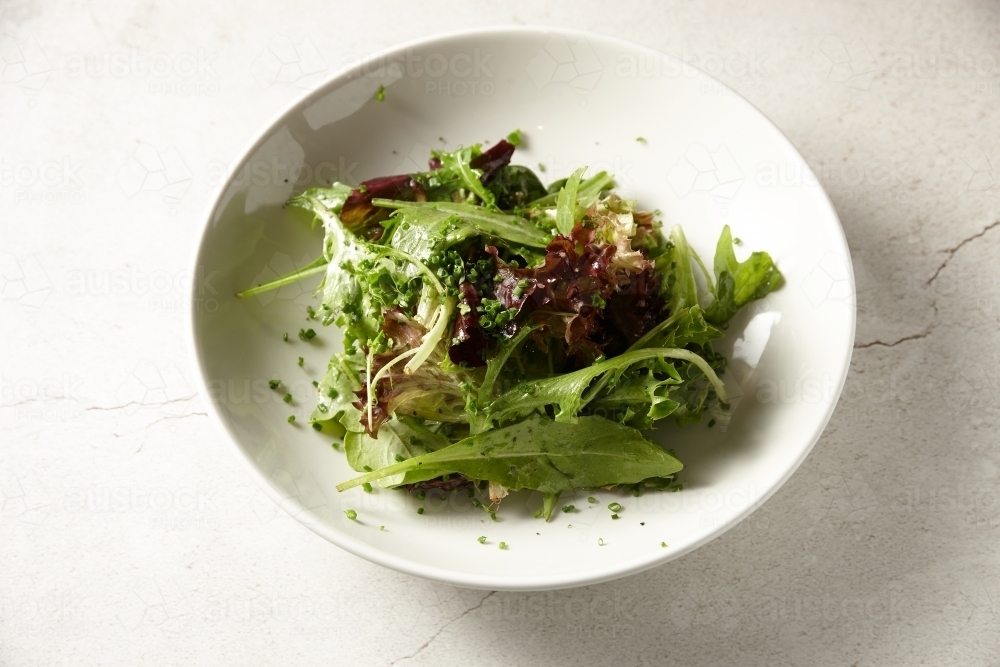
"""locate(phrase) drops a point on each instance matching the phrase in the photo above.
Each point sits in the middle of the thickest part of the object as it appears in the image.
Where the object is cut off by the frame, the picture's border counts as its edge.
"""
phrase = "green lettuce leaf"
(511, 228)
(545, 455)
(566, 203)
(569, 392)
(398, 439)
(586, 194)
(676, 390)
(739, 283)
(335, 391)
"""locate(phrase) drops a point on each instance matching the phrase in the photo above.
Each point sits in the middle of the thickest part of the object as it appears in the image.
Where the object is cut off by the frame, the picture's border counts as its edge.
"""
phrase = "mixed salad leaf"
(501, 335)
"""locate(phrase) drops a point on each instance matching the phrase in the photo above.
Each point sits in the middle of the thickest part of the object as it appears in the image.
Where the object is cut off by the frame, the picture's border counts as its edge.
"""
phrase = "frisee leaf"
(458, 161)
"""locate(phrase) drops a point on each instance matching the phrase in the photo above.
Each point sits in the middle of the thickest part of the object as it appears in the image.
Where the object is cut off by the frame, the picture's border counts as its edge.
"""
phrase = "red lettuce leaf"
(362, 217)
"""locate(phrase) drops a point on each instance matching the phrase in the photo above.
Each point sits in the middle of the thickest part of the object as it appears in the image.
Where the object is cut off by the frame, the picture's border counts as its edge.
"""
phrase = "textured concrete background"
(128, 531)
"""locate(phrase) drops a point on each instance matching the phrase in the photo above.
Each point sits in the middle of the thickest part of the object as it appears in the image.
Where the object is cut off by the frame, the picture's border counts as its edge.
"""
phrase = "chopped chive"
(274, 384)
(663, 544)
(307, 334)
(285, 337)
(335, 445)
(600, 541)
(367, 486)
(421, 495)
(399, 458)
(381, 527)
(568, 508)
(493, 515)
(481, 539)
(475, 502)
(291, 419)
(380, 94)
(503, 546)
(614, 516)
(615, 507)
(368, 468)
(591, 499)
(317, 426)
(351, 514)
(420, 510)
(301, 361)
(287, 398)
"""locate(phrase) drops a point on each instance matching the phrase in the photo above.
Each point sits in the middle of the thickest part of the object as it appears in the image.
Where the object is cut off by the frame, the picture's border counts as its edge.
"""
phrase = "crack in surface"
(98, 408)
(951, 251)
(443, 628)
(916, 336)
(157, 421)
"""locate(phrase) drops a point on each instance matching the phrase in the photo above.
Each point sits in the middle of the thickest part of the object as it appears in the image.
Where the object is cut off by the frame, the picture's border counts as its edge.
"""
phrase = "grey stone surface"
(128, 531)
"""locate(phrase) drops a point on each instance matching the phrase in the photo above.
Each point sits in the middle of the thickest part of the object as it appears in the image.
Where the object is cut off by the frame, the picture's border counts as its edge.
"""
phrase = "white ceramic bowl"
(709, 158)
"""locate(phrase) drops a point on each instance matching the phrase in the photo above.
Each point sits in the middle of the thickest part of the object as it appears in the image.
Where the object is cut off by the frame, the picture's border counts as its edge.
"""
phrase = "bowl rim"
(484, 581)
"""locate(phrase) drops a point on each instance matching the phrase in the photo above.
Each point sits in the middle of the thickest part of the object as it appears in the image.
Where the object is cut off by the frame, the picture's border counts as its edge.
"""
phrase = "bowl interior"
(706, 158)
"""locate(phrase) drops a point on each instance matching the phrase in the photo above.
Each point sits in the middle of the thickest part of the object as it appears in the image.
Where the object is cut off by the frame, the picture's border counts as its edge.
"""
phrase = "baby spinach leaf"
(515, 186)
